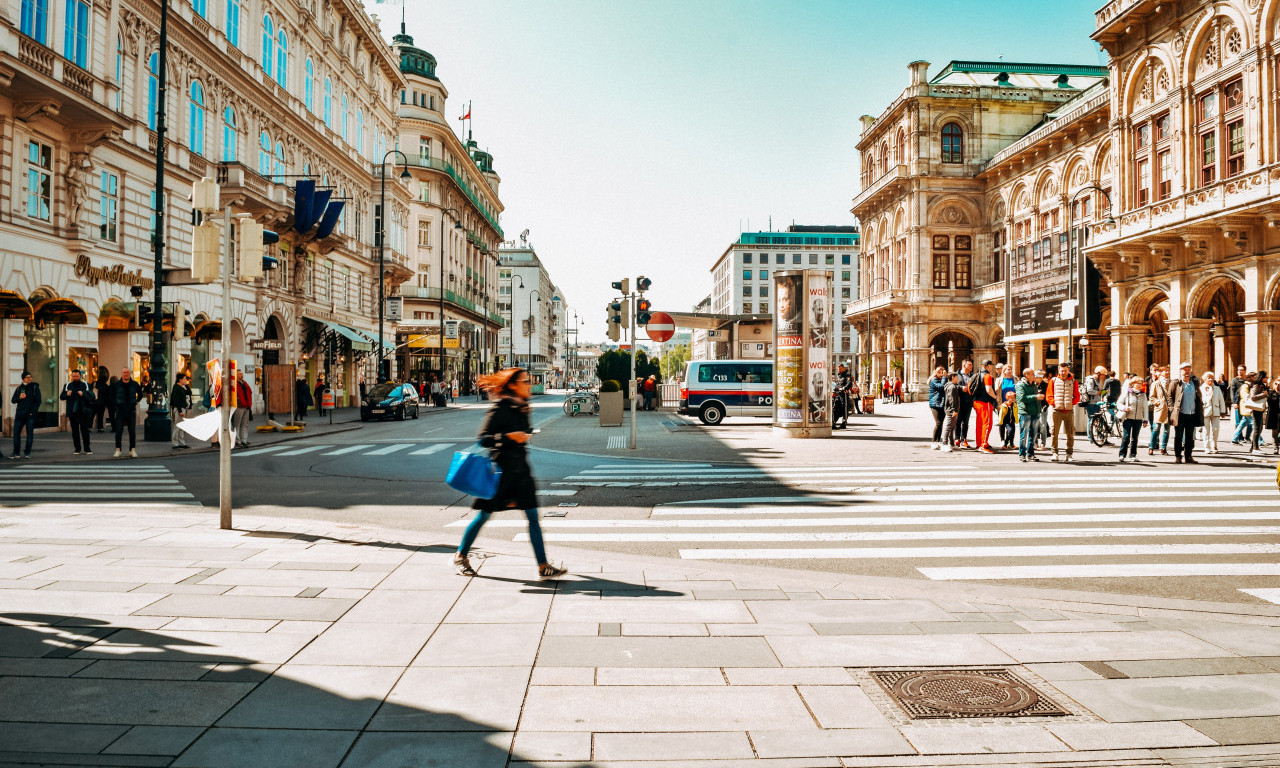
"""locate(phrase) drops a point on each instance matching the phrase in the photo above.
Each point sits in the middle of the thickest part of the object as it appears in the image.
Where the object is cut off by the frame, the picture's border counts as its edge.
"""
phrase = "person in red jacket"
(1062, 396)
(240, 415)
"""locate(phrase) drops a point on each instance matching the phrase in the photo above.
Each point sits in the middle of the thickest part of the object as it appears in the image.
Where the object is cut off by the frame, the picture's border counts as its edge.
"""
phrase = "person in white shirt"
(1215, 407)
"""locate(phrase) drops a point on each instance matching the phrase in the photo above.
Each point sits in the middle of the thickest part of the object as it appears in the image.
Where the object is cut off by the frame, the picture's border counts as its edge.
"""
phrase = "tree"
(674, 361)
(616, 364)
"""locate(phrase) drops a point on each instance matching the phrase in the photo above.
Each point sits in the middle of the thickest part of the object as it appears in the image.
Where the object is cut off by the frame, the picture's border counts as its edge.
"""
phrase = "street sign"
(274, 345)
(395, 309)
(661, 327)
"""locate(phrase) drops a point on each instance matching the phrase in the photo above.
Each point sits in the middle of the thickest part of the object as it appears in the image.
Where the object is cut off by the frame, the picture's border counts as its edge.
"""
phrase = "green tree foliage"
(673, 363)
(616, 364)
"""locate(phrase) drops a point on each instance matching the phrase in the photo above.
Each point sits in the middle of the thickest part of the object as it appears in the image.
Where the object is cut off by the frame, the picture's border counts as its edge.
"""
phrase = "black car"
(390, 401)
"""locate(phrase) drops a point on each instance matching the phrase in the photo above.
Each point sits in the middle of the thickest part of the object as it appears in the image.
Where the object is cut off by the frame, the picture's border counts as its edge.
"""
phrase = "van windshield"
(735, 373)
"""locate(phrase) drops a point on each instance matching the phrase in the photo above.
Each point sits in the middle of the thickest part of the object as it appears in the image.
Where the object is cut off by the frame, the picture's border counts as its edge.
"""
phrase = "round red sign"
(661, 326)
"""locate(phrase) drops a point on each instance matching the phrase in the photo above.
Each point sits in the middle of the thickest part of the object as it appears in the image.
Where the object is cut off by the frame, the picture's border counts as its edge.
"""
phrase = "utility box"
(611, 409)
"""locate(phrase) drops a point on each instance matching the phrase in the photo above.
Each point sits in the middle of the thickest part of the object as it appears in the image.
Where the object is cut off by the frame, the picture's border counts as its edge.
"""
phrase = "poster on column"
(818, 352)
(788, 349)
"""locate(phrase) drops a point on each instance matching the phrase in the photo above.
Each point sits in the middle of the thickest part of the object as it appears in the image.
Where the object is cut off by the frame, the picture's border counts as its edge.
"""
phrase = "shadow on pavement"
(313, 538)
(81, 692)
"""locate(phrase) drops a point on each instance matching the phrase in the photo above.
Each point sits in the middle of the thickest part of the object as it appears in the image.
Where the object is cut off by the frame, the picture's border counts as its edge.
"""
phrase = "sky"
(640, 137)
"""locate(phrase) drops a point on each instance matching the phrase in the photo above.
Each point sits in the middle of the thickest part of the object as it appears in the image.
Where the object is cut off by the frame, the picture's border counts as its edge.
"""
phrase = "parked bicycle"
(582, 401)
(1104, 424)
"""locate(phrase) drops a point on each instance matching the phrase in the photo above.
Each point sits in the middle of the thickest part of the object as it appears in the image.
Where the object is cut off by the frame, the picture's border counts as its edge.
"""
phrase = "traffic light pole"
(224, 427)
(632, 385)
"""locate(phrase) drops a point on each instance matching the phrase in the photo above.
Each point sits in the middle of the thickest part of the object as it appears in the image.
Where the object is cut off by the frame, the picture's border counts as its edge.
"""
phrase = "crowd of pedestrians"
(1036, 411)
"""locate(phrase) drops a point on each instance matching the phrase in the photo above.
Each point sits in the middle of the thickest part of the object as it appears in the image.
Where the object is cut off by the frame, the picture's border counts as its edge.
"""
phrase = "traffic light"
(206, 252)
(623, 286)
(613, 314)
(643, 283)
(143, 314)
(252, 261)
(642, 310)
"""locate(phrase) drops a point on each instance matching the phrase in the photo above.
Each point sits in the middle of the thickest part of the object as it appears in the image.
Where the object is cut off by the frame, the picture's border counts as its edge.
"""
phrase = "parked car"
(390, 401)
(713, 389)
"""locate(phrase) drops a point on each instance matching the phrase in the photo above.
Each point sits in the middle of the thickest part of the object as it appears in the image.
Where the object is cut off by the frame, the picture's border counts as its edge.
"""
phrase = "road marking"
(1101, 571)
(1062, 550)
(1270, 595)
(941, 502)
(833, 522)
(256, 451)
(617, 441)
(986, 534)
(556, 492)
(646, 465)
(113, 469)
(300, 451)
(348, 449)
(430, 449)
(89, 495)
(389, 449)
(152, 479)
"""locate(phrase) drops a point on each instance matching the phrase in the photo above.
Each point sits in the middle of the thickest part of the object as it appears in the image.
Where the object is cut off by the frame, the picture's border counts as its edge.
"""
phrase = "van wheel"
(711, 414)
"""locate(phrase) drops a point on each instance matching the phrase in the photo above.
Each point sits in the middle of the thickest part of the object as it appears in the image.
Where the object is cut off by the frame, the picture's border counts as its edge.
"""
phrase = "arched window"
(346, 119)
(952, 144)
(153, 88)
(35, 20)
(884, 158)
(195, 118)
(233, 22)
(268, 43)
(229, 136)
(308, 86)
(901, 154)
(264, 154)
(119, 70)
(328, 104)
(360, 132)
(201, 7)
(277, 170)
(75, 43)
(282, 59)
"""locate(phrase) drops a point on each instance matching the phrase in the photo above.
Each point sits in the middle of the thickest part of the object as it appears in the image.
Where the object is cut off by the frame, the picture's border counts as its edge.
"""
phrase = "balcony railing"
(436, 164)
(35, 55)
(894, 174)
(433, 294)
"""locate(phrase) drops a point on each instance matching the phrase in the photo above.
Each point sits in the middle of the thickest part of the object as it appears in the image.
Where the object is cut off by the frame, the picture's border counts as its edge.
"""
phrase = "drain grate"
(965, 693)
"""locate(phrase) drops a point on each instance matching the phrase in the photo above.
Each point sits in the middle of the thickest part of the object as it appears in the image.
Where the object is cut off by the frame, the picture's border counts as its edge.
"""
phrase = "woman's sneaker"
(547, 571)
(463, 565)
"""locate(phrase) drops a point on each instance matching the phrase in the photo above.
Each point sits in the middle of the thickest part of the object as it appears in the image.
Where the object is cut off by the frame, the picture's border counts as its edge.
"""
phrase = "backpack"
(974, 385)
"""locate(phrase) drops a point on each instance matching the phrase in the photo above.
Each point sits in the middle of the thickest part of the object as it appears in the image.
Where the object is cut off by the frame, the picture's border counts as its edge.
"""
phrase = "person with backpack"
(984, 403)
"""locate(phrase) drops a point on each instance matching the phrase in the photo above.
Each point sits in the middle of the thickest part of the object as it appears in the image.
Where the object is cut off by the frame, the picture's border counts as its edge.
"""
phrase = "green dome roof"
(414, 61)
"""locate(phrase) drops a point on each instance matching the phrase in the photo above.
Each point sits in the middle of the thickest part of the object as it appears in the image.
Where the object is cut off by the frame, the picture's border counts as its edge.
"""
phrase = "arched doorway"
(1151, 308)
(1221, 302)
(274, 330)
(950, 350)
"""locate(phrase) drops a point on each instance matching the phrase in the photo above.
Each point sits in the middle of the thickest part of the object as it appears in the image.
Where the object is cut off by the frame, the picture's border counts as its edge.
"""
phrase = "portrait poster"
(818, 321)
(788, 349)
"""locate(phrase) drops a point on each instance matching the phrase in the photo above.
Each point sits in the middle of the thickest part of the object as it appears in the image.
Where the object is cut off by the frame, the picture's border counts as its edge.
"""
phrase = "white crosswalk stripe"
(290, 450)
(952, 522)
(300, 451)
(348, 449)
(430, 449)
(115, 483)
(389, 449)
(257, 451)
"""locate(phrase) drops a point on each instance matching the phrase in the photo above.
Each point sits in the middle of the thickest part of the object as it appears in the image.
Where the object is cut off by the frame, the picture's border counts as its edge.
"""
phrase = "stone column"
(1017, 352)
(1261, 331)
(1129, 349)
(1188, 342)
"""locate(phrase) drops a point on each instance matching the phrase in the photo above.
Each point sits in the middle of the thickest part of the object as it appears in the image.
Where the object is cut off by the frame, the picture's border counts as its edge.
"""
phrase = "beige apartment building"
(260, 94)
(979, 199)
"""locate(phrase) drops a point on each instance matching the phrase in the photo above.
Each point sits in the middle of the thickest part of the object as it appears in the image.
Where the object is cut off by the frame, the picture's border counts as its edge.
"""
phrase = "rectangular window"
(1164, 128)
(1142, 136)
(764, 274)
(781, 258)
(997, 238)
(1235, 149)
(795, 258)
(1208, 158)
(39, 180)
(746, 258)
(763, 307)
(1164, 183)
(1208, 107)
(962, 270)
(831, 259)
(941, 270)
(424, 232)
(424, 149)
(844, 275)
(746, 290)
(813, 259)
(76, 39)
(764, 291)
(746, 307)
(845, 259)
(109, 207)
(377, 226)
(746, 274)
(1021, 265)
(844, 293)
(1233, 95)
(1143, 181)
(1035, 258)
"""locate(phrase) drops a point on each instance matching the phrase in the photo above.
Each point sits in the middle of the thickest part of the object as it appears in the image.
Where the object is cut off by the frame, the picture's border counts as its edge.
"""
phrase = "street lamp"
(573, 349)
(158, 426)
(870, 291)
(383, 373)
(457, 224)
(511, 329)
(1077, 273)
(532, 322)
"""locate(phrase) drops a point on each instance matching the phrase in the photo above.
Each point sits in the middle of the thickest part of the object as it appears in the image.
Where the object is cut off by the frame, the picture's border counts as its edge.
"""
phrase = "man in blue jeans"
(1030, 404)
(27, 398)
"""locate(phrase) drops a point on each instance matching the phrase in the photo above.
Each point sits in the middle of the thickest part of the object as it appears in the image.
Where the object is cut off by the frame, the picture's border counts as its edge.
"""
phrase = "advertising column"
(802, 353)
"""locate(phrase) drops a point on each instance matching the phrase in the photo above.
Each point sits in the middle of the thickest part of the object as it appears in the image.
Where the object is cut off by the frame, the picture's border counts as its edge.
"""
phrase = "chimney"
(919, 72)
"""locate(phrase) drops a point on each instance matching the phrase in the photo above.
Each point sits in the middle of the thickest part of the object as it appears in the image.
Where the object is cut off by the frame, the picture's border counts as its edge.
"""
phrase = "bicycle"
(1104, 424)
(584, 401)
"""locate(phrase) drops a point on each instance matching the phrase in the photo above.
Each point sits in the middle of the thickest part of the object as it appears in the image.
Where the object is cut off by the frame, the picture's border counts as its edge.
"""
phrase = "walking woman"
(1257, 404)
(506, 432)
(937, 393)
(1131, 407)
(1273, 413)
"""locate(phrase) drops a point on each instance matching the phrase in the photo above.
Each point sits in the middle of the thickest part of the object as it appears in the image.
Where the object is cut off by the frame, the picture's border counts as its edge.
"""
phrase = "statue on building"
(77, 180)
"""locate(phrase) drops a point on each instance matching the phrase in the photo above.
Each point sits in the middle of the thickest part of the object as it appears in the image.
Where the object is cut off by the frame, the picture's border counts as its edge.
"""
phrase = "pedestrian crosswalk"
(952, 522)
(103, 484)
(288, 450)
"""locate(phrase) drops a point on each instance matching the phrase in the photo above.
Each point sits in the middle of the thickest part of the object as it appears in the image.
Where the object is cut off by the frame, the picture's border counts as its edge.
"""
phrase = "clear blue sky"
(640, 136)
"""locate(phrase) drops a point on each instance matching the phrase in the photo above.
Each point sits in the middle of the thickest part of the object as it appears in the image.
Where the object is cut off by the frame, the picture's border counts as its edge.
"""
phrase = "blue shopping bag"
(474, 474)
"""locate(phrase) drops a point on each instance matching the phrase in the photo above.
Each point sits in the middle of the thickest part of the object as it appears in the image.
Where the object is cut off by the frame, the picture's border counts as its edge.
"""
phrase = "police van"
(714, 389)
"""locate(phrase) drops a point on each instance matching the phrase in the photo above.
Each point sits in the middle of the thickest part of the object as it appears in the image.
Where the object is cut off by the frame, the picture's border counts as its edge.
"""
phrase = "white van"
(713, 389)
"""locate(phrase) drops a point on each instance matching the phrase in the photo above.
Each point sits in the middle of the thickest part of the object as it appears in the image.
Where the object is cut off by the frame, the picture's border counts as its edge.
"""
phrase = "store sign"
(272, 345)
(113, 274)
(395, 309)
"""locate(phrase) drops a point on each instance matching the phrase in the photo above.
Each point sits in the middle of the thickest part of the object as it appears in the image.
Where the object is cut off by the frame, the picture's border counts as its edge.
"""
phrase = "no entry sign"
(661, 327)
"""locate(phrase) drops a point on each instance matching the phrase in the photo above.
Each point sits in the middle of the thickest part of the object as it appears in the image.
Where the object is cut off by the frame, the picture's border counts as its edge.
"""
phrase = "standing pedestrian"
(1238, 418)
(1008, 420)
(967, 377)
(1063, 396)
(984, 404)
(1215, 408)
(321, 387)
(1186, 413)
(244, 407)
(1273, 413)
(301, 399)
(101, 382)
(1030, 403)
(1042, 428)
(1256, 402)
(937, 393)
(27, 398)
(855, 394)
(124, 396)
(650, 392)
(1131, 408)
(506, 433)
(180, 404)
(78, 396)
(1158, 396)
(951, 406)
(1091, 390)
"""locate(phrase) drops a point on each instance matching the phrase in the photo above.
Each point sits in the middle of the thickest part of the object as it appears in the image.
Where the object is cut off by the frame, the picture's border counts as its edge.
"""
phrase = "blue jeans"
(1159, 434)
(1028, 429)
(1244, 426)
(27, 422)
(1129, 440)
(535, 534)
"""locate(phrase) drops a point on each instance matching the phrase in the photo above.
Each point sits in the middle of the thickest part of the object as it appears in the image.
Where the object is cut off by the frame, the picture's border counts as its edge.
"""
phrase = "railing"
(198, 165)
(433, 294)
(77, 79)
(1112, 11)
(1098, 100)
(436, 164)
(238, 175)
(877, 186)
(35, 55)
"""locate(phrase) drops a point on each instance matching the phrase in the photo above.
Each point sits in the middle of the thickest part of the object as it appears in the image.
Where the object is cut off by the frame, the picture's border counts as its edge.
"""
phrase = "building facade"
(257, 95)
(742, 279)
(453, 217)
(532, 308)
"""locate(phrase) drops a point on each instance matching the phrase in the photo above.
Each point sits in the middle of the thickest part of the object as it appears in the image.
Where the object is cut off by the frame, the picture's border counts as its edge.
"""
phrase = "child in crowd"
(950, 407)
(1008, 419)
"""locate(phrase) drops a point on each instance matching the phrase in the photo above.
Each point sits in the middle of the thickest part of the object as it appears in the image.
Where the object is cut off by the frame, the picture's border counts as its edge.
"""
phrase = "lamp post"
(511, 330)
(158, 427)
(573, 349)
(456, 225)
(1076, 267)
(382, 244)
(532, 323)
(870, 291)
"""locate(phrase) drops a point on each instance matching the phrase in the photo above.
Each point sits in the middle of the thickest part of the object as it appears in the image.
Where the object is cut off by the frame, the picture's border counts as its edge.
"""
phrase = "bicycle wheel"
(568, 407)
(1099, 432)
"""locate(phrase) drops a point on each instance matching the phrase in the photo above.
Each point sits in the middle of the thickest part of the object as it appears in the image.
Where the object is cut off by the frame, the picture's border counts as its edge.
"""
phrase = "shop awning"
(59, 311)
(206, 329)
(116, 316)
(14, 307)
(372, 338)
(359, 342)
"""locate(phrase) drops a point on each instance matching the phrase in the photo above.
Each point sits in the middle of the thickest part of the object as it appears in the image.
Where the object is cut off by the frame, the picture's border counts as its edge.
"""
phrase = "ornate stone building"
(259, 93)
(1164, 176)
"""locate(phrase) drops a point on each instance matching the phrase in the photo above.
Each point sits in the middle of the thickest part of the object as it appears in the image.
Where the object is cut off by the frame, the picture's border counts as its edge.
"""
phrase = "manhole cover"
(965, 693)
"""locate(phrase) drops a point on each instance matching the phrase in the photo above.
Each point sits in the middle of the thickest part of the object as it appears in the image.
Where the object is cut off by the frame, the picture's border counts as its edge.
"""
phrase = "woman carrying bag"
(505, 433)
